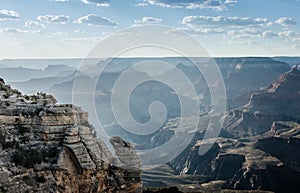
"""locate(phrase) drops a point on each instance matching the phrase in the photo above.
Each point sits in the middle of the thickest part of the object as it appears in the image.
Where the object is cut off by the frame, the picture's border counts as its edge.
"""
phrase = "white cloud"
(242, 28)
(244, 33)
(239, 28)
(204, 31)
(100, 3)
(232, 33)
(209, 30)
(141, 4)
(254, 32)
(53, 19)
(242, 41)
(78, 31)
(59, 33)
(225, 21)
(284, 21)
(12, 30)
(61, 1)
(231, 2)
(288, 34)
(240, 34)
(148, 20)
(294, 46)
(33, 24)
(84, 39)
(8, 14)
(193, 4)
(250, 31)
(296, 39)
(93, 19)
(269, 34)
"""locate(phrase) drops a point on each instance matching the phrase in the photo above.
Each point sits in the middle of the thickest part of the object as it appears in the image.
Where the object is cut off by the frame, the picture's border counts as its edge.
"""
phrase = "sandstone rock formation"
(46, 147)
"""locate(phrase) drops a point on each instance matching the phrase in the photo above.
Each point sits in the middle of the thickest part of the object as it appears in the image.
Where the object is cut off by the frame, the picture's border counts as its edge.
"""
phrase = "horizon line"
(137, 57)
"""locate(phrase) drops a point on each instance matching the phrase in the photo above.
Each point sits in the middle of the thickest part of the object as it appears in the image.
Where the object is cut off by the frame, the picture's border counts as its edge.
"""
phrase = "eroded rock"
(45, 147)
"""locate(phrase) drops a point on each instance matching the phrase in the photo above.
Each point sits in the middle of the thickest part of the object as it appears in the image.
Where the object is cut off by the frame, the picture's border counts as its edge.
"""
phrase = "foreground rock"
(45, 147)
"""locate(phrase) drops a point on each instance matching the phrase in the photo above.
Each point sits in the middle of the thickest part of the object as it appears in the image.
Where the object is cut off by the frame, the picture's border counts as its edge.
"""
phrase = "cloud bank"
(225, 21)
(194, 4)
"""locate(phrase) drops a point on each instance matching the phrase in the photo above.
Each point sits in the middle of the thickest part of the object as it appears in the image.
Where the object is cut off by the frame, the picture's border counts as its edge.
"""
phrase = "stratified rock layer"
(45, 147)
(262, 151)
(278, 102)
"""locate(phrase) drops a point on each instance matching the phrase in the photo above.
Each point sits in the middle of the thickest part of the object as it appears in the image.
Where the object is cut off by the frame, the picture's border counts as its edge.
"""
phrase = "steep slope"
(45, 147)
(268, 162)
(277, 102)
(242, 75)
(262, 151)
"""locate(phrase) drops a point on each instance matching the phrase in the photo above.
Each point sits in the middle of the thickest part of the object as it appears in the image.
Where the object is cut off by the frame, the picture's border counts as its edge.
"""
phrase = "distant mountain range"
(257, 148)
(19, 74)
(241, 76)
(39, 63)
(289, 60)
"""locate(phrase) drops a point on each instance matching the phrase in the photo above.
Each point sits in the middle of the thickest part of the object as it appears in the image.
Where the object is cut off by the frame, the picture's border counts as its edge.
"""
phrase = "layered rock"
(46, 147)
(258, 152)
(262, 153)
(267, 162)
(277, 102)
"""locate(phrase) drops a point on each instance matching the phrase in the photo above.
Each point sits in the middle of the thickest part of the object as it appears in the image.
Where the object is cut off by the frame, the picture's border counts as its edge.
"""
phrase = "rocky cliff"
(257, 150)
(268, 162)
(46, 147)
(277, 102)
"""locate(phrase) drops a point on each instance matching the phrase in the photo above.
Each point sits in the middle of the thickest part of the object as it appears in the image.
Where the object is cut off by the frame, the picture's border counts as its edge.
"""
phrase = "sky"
(71, 28)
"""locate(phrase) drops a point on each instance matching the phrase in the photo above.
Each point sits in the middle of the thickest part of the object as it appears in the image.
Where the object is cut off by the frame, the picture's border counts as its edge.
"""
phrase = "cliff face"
(250, 73)
(45, 147)
(262, 151)
(280, 97)
(277, 102)
(267, 162)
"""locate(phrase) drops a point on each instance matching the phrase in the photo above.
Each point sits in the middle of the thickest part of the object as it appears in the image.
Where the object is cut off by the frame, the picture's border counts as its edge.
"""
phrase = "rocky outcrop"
(227, 165)
(257, 149)
(126, 157)
(46, 147)
(262, 153)
(266, 162)
(280, 97)
(277, 102)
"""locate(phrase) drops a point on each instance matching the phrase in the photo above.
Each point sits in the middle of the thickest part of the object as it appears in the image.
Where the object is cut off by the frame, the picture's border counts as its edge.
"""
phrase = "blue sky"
(71, 28)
